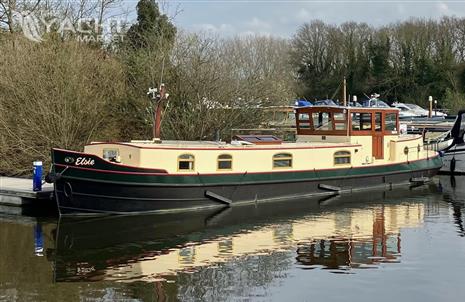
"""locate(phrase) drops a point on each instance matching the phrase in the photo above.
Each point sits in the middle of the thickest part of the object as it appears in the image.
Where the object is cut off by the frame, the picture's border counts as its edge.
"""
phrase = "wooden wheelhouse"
(349, 121)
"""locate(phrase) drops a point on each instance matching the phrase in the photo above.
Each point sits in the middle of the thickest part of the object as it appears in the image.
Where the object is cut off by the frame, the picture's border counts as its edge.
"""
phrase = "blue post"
(37, 176)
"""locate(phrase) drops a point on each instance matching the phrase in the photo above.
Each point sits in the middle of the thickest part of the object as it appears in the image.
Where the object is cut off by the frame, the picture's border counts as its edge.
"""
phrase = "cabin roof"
(202, 145)
(222, 145)
(350, 107)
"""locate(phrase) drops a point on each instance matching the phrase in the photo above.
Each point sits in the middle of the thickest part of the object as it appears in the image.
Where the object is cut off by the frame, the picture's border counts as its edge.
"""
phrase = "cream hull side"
(251, 159)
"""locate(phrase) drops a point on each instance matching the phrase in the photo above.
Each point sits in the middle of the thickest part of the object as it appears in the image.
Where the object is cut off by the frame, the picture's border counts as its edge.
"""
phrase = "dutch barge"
(336, 149)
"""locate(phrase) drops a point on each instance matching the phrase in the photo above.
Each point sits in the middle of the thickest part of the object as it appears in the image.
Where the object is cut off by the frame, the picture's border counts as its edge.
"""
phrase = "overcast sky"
(283, 17)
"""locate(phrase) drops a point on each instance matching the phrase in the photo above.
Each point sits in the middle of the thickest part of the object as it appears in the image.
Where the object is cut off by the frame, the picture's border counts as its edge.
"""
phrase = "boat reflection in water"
(341, 234)
(368, 246)
(453, 189)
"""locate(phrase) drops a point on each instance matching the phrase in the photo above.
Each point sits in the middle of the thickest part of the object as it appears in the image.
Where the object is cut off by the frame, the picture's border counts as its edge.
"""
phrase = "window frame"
(118, 155)
(192, 160)
(361, 120)
(218, 160)
(395, 130)
(289, 157)
(338, 127)
(346, 154)
(310, 126)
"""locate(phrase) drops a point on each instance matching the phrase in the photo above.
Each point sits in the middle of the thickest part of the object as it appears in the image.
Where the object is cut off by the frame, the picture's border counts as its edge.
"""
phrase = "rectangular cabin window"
(361, 121)
(111, 155)
(225, 165)
(304, 121)
(282, 160)
(355, 121)
(341, 158)
(378, 119)
(339, 117)
(339, 121)
(390, 124)
(322, 121)
(224, 162)
(186, 165)
(186, 162)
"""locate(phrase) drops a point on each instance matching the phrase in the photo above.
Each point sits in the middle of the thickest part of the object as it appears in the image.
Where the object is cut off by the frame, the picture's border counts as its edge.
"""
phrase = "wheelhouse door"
(377, 136)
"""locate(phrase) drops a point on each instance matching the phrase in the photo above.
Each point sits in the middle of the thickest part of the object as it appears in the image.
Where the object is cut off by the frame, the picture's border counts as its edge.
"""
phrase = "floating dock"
(18, 192)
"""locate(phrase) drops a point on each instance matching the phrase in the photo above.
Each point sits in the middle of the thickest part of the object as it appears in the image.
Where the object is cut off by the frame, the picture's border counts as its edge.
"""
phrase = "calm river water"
(400, 245)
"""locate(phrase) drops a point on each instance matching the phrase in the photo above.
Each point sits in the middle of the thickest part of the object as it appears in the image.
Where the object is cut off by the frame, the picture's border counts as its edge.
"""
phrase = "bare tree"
(223, 83)
(54, 94)
(9, 7)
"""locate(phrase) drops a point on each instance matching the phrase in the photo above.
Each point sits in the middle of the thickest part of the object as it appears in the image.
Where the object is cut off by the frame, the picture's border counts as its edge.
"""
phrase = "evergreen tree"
(145, 53)
(152, 29)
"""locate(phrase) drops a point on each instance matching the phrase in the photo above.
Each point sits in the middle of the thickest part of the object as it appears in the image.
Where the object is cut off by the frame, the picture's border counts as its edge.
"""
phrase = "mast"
(344, 92)
(159, 96)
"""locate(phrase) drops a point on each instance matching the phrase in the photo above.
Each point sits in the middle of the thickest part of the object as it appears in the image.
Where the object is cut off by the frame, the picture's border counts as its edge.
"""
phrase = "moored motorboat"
(452, 146)
(337, 149)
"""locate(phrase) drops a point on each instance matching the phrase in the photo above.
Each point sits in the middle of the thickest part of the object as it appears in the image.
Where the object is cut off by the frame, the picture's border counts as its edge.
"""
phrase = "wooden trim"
(348, 111)
(406, 140)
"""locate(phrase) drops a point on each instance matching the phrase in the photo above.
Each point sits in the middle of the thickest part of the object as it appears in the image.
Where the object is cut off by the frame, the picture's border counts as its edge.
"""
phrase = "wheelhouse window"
(341, 158)
(378, 119)
(186, 162)
(304, 121)
(390, 123)
(339, 121)
(224, 162)
(282, 160)
(361, 121)
(322, 121)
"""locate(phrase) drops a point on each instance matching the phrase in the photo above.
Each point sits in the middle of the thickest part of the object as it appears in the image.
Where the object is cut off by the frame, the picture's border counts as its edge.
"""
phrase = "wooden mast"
(159, 99)
(344, 93)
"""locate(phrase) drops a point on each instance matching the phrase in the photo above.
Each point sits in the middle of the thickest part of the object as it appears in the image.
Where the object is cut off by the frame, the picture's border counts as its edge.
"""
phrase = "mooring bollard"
(37, 176)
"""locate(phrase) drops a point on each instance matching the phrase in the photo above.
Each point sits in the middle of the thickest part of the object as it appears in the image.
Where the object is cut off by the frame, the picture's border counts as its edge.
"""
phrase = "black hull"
(81, 197)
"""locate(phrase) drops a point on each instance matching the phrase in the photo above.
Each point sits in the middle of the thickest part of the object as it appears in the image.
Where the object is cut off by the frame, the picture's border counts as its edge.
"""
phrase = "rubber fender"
(452, 164)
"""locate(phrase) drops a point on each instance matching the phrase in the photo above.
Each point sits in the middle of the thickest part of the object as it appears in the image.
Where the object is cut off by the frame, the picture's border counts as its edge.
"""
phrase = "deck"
(18, 192)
